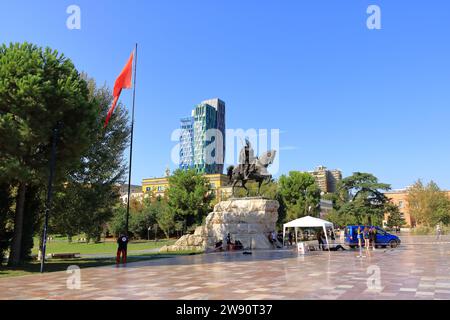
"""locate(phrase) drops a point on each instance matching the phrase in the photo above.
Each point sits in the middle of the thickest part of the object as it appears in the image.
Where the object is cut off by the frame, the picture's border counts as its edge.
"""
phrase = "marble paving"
(418, 269)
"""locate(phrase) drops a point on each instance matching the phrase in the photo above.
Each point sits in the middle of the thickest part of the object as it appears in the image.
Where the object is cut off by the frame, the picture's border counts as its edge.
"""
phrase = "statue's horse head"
(267, 158)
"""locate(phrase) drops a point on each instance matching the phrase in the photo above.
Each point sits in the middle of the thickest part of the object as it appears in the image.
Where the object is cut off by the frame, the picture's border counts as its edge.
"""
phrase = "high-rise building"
(187, 143)
(219, 105)
(334, 177)
(201, 148)
(326, 179)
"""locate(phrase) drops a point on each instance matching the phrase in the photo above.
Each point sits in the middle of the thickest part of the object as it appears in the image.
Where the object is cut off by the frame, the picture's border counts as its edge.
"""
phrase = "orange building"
(400, 198)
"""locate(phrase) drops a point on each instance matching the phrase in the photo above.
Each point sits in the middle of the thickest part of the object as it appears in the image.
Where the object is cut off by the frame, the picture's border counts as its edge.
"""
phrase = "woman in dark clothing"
(372, 237)
(320, 239)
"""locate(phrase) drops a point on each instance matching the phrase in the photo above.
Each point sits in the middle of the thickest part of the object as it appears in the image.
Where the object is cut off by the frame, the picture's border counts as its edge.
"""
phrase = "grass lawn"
(61, 245)
(62, 265)
(108, 247)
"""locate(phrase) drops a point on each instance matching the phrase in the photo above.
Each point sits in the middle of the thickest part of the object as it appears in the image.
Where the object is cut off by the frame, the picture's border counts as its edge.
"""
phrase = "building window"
(148, 189)
(401, 204)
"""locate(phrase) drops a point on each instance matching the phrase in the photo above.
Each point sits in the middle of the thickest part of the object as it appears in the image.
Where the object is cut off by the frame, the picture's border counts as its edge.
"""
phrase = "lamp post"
(148, 233)
(156, 230)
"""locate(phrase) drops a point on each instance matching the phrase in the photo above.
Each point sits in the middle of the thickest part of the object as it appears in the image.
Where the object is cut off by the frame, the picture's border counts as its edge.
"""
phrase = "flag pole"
(48, 203)
(131, 142)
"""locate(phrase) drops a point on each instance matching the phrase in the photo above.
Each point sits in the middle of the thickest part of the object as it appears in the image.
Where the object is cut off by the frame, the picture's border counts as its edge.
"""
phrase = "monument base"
(248, 220)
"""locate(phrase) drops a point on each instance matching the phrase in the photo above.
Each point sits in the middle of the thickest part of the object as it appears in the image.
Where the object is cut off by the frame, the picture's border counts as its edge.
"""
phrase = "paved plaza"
(418, 269)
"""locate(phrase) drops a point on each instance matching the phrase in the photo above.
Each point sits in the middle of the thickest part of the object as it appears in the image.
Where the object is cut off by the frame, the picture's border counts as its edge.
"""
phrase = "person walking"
(122, 243)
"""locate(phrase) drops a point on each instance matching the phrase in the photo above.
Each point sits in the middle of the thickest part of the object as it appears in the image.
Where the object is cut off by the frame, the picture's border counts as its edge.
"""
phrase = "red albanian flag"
(123, 81)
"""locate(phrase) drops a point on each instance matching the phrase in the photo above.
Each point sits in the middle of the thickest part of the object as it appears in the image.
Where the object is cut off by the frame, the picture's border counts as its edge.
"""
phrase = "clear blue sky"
(344, 96)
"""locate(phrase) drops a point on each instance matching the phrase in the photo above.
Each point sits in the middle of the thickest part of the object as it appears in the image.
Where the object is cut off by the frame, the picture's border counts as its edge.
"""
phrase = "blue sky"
(342, 95)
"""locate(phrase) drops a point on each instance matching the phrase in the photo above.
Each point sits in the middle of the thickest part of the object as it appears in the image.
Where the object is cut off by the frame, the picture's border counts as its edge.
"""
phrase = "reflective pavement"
(418, 269)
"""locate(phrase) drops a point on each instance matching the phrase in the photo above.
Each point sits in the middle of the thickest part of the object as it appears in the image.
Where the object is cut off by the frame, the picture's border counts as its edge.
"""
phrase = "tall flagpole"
(48, 203)
(131, 143)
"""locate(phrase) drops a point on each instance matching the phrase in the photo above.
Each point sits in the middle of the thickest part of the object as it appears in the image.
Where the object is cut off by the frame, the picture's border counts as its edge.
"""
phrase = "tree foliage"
(360, 199)
(165, 216)
(91, 188)
(428, 204)
(39, 88)
(6, 213)
(395, 218)
(189, 196)
(300, 194)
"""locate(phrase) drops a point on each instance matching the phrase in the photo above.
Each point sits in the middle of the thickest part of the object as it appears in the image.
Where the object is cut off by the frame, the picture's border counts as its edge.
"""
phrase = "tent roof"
(307, 221)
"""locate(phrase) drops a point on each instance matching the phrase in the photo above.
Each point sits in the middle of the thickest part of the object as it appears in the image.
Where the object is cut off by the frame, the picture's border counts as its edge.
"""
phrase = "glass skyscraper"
(194, 142)
(187, 143)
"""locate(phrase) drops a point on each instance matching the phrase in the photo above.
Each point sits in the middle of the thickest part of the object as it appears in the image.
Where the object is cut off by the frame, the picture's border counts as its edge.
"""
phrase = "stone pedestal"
(249, 220)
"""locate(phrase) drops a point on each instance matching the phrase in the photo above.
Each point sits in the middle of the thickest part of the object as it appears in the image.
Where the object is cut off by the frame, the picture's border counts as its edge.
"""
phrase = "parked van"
(383, 238)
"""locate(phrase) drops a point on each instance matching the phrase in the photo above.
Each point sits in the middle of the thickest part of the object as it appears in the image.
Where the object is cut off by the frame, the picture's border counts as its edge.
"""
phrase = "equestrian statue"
(251, 168)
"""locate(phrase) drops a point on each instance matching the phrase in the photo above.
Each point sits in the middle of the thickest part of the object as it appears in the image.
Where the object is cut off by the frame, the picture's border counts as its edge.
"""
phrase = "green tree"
(361, 196)
(91, 187)
(299, 194)
(428, 204)
(341, 218)
(144, 218)
(39, 88)
(395, 218)
(165, 217)
(189, 196)
(117, 224)
(6, 201)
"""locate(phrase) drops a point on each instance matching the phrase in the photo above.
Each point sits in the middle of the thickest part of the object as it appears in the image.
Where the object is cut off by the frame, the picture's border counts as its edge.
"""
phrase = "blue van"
(383, 238)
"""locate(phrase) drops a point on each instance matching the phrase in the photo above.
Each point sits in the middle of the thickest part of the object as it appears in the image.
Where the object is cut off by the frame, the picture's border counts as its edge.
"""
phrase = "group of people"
(273, 239)
(368, 235)
(230, 245)
(323, 245)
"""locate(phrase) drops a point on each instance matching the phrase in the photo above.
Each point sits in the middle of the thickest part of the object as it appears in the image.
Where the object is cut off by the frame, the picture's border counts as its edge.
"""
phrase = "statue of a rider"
(247, 158)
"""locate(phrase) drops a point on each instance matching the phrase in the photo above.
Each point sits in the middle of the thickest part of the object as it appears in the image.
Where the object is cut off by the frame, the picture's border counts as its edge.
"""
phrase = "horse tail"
(230, 172)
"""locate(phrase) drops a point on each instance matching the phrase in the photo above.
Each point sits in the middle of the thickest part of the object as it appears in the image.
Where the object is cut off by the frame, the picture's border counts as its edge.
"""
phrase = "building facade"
(187, 143)
(201, 147)
(135, 192)
(400, 199)
(327, 180)
(158, 186)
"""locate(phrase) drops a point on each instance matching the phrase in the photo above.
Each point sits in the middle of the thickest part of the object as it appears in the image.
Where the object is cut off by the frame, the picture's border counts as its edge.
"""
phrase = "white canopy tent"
(308, 222)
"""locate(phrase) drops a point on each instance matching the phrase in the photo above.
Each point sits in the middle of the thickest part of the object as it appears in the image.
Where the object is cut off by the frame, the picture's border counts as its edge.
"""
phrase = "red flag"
(123, 81)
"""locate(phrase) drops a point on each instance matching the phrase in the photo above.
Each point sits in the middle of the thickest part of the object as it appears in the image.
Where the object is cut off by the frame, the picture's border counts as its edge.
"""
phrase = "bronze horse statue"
(258, 172)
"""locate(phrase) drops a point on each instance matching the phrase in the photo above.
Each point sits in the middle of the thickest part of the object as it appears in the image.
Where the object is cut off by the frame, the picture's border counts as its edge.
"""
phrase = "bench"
(65, 255)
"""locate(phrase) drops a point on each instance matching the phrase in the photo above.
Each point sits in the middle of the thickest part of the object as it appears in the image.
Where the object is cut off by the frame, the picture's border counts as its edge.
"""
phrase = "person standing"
(438, 232)
(359, 236)
(122, 243)
(366, 237)
(274, 237)
(372, 237)
(290, 237)
(229, 243)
